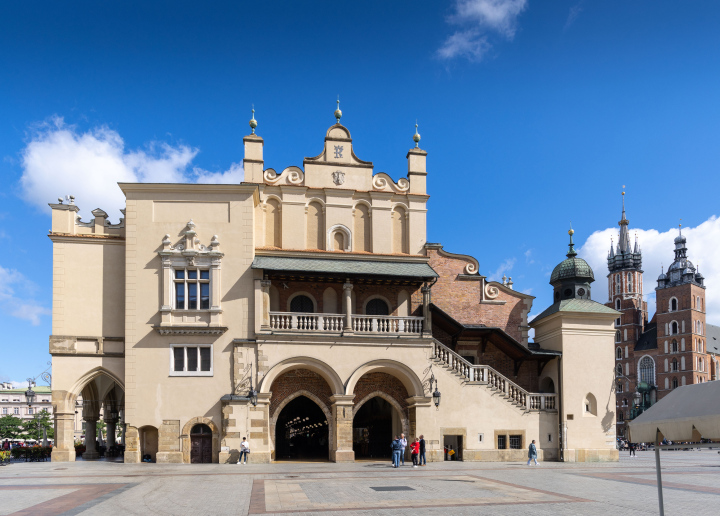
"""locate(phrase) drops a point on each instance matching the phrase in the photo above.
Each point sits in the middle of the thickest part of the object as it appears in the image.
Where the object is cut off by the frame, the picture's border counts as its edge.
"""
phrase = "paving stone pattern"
(691, 480)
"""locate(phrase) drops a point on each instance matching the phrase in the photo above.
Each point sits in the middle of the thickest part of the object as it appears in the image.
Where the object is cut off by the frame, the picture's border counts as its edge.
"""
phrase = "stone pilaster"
(169, 442)
(342, 413)
(64, 448)
(132, 444)
(260, 449)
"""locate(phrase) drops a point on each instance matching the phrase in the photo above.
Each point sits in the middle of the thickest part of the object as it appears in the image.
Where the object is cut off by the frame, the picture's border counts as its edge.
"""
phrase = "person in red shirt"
(414, 451)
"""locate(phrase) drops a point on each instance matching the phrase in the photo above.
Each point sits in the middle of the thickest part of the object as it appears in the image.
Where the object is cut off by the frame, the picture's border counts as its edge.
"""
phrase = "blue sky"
(533, 114)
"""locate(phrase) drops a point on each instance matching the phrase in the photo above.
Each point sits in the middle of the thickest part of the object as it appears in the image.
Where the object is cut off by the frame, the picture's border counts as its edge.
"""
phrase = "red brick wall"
(527, 376)
(298, 379)
(362, 293)
(381, 382)
(461, 298)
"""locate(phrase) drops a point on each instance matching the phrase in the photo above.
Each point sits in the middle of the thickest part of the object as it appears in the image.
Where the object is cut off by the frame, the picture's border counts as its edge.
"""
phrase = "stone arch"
(273, 221)
(347, 237)
(589, 405)
(315, 224)
(302, 293)
(382, 298)
(403, 306)
(399, 229)
(362, 226)
(392, 401)
(330, 301)
(185, 438)
(407, 376)
(309, 363)
(325, 409)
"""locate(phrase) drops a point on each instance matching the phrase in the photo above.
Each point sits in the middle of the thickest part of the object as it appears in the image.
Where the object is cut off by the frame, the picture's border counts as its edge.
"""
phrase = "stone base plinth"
(132, 457)
(62, 455)
(342, 456)
(258, 458)
(90, 455)
(169, 457)
(591, 455)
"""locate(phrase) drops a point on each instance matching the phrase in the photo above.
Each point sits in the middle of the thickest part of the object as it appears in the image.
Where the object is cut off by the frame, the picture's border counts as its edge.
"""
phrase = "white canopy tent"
(686, 414)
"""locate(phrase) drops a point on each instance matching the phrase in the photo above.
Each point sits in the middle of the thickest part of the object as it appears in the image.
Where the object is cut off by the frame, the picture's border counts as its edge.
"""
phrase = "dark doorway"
(372, 430)
(453, 447)
(301, 432)
(201, 444)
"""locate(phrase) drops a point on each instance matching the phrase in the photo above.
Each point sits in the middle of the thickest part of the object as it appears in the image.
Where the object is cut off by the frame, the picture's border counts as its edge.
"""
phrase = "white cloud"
(575, 11)
(703, 243)
(504, 267)
(21, 306)
(478, 20)
(60, 160)
(528, 256)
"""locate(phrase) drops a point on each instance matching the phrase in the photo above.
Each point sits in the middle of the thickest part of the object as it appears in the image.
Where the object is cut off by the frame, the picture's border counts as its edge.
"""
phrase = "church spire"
(624, 240)
(571, 245)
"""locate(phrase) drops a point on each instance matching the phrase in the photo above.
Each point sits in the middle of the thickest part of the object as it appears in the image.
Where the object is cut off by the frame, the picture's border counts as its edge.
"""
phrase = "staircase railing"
(492, 378)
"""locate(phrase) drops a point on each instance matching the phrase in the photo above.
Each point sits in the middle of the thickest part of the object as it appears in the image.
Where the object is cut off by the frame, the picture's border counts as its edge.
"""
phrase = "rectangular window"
(192, 289)
(30, 412)
(516, 442)
(16, 411)
(5, 410)
(502, 442)
(191, 360)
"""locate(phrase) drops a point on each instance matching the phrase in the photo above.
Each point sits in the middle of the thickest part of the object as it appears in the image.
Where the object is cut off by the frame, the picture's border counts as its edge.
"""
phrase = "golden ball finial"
(571, 232)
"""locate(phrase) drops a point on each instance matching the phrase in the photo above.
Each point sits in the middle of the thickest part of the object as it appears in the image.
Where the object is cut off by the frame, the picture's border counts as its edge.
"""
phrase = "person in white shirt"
(244, 451)
(403, 443)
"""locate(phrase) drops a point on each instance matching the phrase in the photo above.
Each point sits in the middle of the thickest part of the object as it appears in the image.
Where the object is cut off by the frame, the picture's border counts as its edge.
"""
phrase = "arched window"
(674, 348)
(617, 336)
(674, 328)
(674, 383)
(618, 369)
(673, 305)
(590, 405)
(376, 307)
(621, 416)
(618, 353)
(630, 282)
(200, 429)
(302, 304)
(624, 402)
(617, 304)
(338, 241)
(647, 370)
(674, 364)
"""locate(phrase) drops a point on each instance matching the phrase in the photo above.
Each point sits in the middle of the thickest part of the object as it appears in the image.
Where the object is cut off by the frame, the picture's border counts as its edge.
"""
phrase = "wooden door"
(200, 449)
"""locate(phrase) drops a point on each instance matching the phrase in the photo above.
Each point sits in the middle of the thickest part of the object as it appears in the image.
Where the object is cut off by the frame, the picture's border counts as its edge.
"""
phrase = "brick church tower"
(625, 289)
(681, 329)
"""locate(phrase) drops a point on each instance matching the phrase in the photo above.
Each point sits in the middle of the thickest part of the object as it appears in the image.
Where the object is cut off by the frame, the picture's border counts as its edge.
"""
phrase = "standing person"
(403, 443)
(244, 451)
(396, 446)
(532, 453)
(421, 458)
(631, 447)
(415, 451)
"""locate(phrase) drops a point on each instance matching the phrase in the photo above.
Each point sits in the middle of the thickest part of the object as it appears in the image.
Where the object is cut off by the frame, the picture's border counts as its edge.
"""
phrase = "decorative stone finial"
(60, 200)
(416, 136)
(338, 113)
(253, 122)
(571, 245)
(72, 200)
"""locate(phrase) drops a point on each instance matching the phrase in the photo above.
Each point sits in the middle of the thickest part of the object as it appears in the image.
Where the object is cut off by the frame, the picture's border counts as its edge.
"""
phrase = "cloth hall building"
(305, 310)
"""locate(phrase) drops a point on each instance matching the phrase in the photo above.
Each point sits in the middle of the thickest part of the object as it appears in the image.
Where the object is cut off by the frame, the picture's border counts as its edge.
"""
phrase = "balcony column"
(427, 323)
(347, 305)
(265, 287)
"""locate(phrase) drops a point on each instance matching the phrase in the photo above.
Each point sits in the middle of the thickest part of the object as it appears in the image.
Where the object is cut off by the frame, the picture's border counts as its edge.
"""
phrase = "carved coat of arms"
(338, 177)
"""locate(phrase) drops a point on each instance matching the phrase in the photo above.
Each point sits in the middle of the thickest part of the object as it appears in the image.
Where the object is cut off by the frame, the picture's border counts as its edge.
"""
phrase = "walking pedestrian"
(396, 447)
(631, 447)
(244, 451)
(423, 462)
(403, 443)
(415, 451)
(532, 453)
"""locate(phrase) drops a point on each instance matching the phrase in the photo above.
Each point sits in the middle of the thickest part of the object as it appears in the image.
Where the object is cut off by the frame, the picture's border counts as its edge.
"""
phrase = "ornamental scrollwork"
(291, 176)
(383, 182)
(491, 291)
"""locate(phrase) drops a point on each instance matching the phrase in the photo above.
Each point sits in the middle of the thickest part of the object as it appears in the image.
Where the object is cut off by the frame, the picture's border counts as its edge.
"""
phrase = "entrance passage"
(301, 431)
(201, 444)
(373, 430)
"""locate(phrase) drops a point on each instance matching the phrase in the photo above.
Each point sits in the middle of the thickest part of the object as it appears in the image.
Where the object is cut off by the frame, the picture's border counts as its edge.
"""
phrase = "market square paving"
(690, 478)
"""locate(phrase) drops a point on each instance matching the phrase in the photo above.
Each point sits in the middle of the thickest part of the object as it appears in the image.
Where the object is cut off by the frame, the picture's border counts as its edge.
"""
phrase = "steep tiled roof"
(648, 340)
(712, 343)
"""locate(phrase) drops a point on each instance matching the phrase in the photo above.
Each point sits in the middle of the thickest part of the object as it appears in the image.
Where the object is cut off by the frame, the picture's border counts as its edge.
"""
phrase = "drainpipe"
(561, 423)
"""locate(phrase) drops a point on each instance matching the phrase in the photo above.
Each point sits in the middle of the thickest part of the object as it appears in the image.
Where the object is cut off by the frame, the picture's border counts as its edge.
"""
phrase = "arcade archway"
(301, 431)
(375, 424)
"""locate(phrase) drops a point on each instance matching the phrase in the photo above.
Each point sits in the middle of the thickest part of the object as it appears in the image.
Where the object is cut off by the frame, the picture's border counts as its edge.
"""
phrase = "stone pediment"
(189, 247)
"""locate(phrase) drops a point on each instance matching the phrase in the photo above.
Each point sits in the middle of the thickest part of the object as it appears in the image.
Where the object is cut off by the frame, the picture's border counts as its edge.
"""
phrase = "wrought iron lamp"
(436, 393)
(252, 393)
(30, 394)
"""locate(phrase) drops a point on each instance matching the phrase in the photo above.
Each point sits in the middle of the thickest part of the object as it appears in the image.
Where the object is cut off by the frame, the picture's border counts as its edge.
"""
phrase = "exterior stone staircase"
(487, 377)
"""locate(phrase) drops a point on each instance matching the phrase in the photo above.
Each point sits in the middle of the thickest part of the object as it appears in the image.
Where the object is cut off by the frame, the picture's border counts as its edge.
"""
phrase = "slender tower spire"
(624, 240)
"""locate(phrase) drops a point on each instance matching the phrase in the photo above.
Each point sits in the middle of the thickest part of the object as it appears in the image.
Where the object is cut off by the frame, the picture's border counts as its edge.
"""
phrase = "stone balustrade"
(334, 323)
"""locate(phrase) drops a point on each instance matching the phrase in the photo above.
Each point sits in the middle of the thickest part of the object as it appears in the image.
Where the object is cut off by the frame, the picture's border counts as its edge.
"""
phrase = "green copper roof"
(330, 266)
(572, 268)
(587, 306)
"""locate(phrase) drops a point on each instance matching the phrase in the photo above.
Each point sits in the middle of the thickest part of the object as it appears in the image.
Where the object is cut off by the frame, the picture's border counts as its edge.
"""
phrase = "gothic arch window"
(339, 238)
(674, 328)
(621, 416)
(647, 370)
(674, 383)
(618, 353)
(618, 369)
(617, 336)
(624, 402)
(630, 281)
(590, 405)
(673, 304)
(674, 364)
(674, 348)
(617, 304)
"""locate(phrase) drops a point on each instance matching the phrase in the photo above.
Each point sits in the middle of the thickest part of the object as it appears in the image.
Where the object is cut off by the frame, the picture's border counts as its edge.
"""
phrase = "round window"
(581, 292)
(568, 292)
